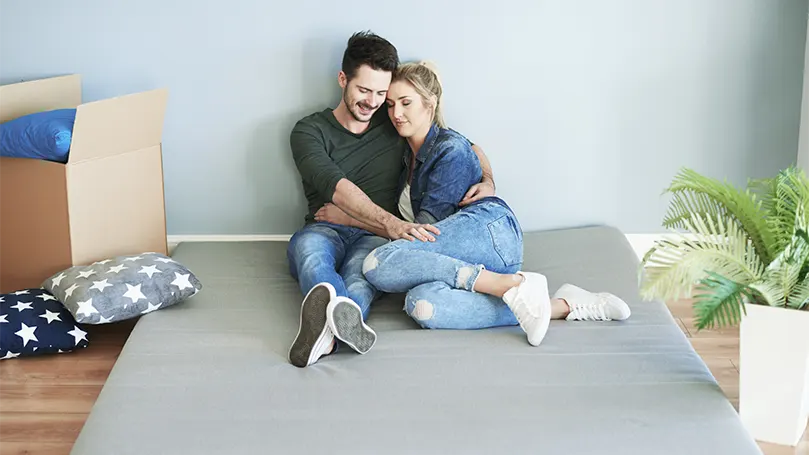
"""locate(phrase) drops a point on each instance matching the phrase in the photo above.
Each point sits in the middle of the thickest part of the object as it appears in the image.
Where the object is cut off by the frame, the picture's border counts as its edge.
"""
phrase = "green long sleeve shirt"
(325, 152)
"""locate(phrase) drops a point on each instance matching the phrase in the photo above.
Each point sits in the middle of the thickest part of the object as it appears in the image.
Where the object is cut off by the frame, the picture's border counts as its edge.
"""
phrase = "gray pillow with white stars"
(122, 288)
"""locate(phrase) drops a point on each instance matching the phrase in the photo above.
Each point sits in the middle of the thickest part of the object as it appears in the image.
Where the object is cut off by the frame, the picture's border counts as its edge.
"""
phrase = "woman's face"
(407, 110)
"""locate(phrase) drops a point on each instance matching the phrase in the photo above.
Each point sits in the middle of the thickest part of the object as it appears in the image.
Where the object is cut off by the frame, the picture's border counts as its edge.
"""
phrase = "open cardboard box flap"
(63, 92)
(118, 125)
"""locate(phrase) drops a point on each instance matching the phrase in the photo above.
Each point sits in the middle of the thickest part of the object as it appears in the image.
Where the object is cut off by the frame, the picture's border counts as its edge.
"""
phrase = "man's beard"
(351, 111)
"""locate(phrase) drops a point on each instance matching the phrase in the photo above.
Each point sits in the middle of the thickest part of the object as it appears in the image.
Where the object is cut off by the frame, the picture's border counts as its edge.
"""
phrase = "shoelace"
(595, 311)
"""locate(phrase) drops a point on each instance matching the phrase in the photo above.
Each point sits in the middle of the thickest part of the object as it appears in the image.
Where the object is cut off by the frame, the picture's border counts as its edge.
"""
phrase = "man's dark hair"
(366, 48)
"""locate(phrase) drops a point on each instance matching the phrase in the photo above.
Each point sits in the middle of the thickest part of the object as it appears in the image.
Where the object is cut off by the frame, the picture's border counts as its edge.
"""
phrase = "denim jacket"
(445, 168)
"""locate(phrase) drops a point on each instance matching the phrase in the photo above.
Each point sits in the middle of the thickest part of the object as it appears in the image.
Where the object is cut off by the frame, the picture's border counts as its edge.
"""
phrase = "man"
(350, 156)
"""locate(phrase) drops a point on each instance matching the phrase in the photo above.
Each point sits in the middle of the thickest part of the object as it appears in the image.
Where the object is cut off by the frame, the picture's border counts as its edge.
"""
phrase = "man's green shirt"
(325, 152)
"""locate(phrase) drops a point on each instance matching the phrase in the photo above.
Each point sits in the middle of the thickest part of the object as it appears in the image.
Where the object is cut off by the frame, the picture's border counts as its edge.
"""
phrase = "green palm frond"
(694, 195)
(719, 302)
(799, 297)
(675, 264)
(777, 284)
(785, 272)
(739, 246)
(787, 206)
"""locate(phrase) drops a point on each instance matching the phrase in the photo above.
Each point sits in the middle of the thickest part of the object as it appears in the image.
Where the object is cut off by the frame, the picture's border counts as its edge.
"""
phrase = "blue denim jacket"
(445, 168)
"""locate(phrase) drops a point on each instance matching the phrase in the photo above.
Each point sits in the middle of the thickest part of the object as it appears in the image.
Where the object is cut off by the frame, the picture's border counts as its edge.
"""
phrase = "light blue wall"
(586, 108)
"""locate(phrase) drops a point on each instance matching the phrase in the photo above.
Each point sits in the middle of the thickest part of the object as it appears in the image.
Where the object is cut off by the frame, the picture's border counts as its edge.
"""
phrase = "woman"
(469, 277)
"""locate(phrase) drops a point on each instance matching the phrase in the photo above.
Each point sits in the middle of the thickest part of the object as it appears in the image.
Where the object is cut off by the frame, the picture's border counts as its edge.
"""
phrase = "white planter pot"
(774, 373)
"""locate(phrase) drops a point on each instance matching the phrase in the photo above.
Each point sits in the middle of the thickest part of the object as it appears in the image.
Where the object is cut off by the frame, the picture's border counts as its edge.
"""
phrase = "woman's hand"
(330, 213)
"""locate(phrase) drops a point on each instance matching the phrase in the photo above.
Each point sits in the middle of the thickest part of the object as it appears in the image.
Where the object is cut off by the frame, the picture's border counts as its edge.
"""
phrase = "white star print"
(21, 293)
(50, 316)
(134, 258)
(23, 306)
(133, 292)
(151, 270)
(102, 262)
(27, 334)
(58, 279)
(2, 299)
(86, 308)
(164, 260)
(3, 318)
(100, 285)
(117, 268)
(103, 320)
(87, 273)
(151, 308)
(9, 355)
(46, 297)
(182, 281)
(78, 334)
(69, 291)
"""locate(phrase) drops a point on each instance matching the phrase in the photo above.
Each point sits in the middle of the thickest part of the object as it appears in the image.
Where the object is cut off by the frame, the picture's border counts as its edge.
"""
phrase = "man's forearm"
(485, 167)
(359, 224)
(359, 206)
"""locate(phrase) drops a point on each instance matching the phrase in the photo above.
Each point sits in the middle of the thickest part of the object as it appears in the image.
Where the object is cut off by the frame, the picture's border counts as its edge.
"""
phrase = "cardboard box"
(107, 200)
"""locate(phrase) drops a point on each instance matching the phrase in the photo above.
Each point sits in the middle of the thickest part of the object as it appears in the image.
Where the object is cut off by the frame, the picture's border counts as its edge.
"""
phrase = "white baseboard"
(641, 243)
(174, 240)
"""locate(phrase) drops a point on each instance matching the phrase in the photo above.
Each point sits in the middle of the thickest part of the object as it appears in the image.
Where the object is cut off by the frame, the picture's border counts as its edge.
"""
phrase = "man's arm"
(485, 166)
(317, 168)
(486, 186)
(359, 206)
(375, 219)
(333, 214)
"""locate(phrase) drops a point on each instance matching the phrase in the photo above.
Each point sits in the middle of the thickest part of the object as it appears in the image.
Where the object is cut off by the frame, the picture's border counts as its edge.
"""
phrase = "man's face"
(364, 94)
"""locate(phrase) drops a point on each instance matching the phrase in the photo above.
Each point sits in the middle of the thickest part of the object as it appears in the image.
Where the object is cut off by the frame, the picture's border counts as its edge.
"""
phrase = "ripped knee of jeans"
(421, 310)
(371, 262)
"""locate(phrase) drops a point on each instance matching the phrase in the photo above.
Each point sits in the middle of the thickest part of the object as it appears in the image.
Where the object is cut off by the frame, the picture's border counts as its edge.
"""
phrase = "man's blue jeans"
(332, 253)
(439, 276)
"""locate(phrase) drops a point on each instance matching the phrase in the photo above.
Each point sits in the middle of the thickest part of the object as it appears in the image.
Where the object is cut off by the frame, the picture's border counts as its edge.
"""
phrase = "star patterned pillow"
(122, 288)
(33, 322)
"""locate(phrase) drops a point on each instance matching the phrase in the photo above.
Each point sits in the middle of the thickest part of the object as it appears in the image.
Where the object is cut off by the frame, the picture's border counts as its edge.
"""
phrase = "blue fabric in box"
(33, 322)
(42, 135)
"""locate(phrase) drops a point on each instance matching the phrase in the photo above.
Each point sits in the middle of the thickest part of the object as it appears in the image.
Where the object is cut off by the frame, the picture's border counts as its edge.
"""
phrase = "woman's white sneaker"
(531, 305)
(592, 306)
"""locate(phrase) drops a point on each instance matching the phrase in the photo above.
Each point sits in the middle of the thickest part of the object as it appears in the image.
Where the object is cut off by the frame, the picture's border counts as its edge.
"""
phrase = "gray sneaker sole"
(313, 325)
(350, 328)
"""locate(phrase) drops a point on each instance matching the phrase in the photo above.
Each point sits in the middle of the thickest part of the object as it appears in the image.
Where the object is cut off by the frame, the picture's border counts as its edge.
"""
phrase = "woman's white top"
(405, 207)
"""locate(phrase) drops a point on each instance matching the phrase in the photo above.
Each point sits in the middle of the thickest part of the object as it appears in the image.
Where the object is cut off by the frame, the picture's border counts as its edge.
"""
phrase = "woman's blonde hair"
(423, 76)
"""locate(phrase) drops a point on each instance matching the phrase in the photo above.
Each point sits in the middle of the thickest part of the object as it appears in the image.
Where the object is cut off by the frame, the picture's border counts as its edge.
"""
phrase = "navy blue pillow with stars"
(33, 322)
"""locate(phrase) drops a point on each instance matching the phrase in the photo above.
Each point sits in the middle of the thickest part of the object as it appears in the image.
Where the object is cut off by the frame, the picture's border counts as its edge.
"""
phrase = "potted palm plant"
(743, 255)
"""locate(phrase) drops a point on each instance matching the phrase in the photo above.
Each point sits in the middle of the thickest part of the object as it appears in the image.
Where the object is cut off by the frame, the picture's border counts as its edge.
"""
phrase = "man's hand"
(403, 230)
(330, 213)
(477, 192)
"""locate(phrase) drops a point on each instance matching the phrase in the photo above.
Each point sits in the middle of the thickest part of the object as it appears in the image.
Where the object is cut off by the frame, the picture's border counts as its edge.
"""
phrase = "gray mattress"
(211, 376)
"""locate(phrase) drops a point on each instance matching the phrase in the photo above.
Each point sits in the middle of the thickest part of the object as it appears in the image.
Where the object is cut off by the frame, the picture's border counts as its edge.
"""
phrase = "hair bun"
(430, 66)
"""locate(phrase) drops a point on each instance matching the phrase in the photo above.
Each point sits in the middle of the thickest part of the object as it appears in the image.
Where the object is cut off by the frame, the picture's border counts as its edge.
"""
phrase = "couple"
(455, 248)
